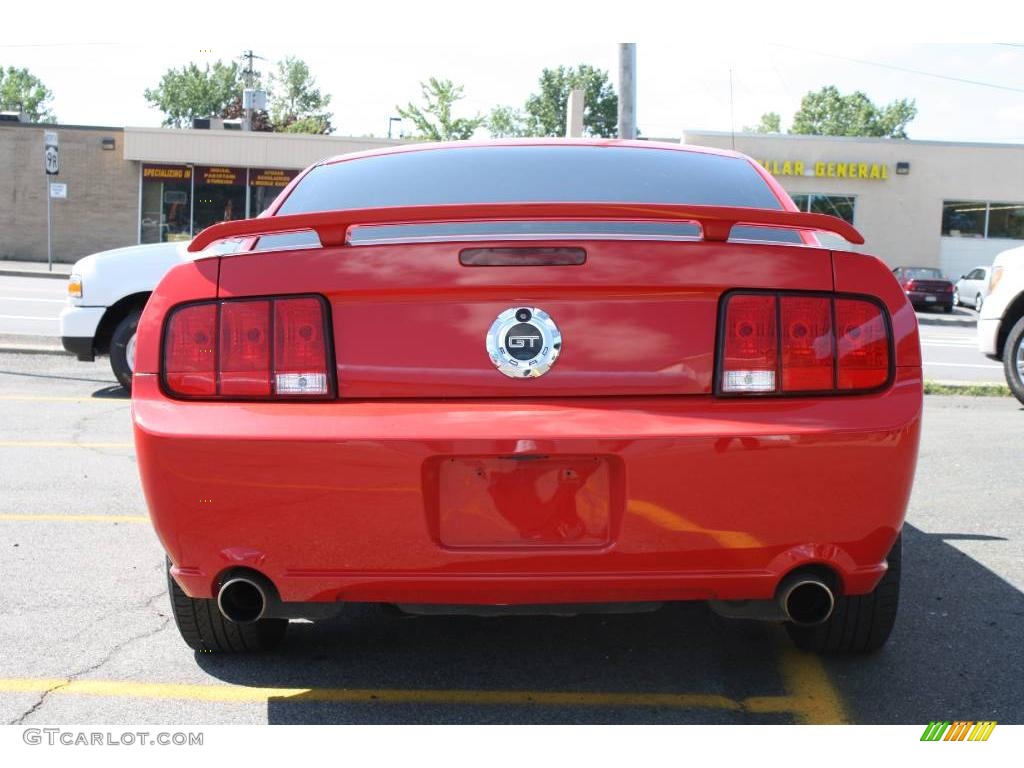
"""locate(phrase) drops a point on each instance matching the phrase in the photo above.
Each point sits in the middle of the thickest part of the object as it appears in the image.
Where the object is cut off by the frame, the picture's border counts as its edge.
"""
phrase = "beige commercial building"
(920, 203)
(950, 205)
(143, 185)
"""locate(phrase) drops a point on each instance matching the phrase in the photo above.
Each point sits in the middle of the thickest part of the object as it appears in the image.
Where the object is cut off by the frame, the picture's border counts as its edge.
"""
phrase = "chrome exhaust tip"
(242, 600)
(806, 601)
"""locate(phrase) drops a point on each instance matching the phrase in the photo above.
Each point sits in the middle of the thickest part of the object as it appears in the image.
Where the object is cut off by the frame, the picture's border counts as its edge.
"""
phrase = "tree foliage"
(433, 119)
(190, 92)
(545, 112)
(296, 104)
(21, 91)
(770, 123)
(829, 113)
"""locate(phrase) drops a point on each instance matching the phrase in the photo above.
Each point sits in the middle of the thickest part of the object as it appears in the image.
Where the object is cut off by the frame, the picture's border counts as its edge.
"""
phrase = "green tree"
(190, 92)
(21, 91)
(433, 120)
(296, 104)
(506, 123)
(829, 113)
(770, 123)
(546, 111)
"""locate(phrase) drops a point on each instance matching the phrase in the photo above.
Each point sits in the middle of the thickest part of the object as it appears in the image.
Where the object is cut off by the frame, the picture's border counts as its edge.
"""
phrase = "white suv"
(1001, 323)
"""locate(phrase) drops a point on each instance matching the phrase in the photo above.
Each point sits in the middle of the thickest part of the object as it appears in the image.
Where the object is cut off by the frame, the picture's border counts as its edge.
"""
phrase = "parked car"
(925, 287)
(972, 287)
(1001, 321)
(106, 294)
(493, 417)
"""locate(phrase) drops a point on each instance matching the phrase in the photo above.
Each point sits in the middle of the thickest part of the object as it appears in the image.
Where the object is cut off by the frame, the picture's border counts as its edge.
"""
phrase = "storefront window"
(165, 203)
(841, 206)
(983, 219)
(178, 201)
(963, 218)
(1006, 220)
(220, 196)
(265, 184)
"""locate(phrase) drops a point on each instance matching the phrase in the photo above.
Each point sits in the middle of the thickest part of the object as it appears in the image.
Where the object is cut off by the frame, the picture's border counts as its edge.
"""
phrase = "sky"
(99, 60)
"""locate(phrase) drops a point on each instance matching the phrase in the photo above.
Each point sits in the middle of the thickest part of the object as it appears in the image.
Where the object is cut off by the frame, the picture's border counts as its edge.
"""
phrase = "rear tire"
(204, 628)
(121, 341)
(1013, 360)
(859, 623)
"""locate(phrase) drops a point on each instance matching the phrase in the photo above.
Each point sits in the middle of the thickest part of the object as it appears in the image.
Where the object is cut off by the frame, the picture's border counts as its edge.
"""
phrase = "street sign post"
(58, 191)
(51, 167)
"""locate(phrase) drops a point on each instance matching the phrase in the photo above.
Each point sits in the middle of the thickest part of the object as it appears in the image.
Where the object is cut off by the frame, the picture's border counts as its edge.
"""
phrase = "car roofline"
(401, 149)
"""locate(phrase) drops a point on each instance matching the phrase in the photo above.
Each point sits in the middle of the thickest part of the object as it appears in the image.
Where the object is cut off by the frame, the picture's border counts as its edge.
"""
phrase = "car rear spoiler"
(332, 227)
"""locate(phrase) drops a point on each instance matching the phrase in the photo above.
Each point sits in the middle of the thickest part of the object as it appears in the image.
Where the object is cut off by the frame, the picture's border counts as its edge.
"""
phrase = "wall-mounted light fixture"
(108, 142)
(902, 169)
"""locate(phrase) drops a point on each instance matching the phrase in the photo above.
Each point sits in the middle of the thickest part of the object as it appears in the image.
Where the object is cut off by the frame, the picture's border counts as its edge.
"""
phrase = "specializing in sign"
(166, 172)
(827, 169)
(270, 177)
(58, 191)
(220, 175)
(51, 153)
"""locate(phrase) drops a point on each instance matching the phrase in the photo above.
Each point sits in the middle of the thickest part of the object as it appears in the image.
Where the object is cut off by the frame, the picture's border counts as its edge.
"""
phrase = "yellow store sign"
(827, 170)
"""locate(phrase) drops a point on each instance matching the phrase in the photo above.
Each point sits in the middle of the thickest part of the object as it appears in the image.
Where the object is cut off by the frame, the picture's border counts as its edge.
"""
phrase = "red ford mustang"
(537, 375)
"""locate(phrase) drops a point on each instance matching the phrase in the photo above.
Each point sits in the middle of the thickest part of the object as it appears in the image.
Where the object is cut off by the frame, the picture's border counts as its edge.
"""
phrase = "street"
(88, 638)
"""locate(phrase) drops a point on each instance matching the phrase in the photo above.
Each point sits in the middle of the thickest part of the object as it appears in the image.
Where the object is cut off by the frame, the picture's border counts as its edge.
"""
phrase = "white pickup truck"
(1001, 323)
(106, 294)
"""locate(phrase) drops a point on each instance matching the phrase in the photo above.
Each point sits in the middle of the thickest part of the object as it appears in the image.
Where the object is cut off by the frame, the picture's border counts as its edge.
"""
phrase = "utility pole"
(627, 90)
(249, 75)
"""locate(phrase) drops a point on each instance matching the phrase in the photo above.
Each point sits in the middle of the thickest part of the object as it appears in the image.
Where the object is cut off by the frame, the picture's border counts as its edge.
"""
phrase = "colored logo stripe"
(960, 730)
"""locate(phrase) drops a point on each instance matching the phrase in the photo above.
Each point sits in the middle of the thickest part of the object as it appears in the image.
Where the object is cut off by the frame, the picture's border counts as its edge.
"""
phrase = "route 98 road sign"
(51, 153)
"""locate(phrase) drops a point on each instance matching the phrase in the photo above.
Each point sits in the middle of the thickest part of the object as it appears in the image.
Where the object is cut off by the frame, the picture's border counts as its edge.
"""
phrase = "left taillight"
(260, 348)
(792, 343)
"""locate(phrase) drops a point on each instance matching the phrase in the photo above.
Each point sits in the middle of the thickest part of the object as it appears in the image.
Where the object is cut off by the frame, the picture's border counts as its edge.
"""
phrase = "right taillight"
(265, 348)
(792, 343)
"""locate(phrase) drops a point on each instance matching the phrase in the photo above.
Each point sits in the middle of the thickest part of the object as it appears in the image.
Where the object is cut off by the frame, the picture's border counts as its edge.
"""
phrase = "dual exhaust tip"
(242, 600)
(804, 599)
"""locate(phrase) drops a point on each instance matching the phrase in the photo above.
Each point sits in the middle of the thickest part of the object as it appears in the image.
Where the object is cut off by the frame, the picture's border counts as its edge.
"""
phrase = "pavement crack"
(20, 720)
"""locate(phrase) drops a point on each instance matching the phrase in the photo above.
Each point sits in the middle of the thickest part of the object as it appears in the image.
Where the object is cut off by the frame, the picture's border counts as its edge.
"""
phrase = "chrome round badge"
(524, 342)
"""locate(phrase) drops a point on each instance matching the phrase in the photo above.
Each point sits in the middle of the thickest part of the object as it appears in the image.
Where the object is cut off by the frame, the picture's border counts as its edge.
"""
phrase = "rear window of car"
(509, 174)
(923, 273)
(531, 174)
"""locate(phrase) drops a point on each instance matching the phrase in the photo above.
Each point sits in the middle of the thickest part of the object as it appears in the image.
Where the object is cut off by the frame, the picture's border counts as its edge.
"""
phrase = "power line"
(898, 68)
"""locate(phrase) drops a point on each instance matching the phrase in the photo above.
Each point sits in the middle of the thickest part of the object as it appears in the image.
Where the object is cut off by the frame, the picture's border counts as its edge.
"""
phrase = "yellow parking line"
(77, 518)
(812, 698)
(58, 444)
(242, 694)
(56, 399)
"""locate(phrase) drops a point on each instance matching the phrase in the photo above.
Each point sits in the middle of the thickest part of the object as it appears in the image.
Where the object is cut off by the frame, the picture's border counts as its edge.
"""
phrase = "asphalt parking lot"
(88, 638)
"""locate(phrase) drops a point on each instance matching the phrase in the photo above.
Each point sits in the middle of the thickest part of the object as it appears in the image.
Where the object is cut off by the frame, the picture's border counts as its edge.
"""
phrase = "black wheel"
(978, 301)
(948, 308)
(122, 349)
(204, 629)
(859, 623)
(1013, 359)
(956, 297)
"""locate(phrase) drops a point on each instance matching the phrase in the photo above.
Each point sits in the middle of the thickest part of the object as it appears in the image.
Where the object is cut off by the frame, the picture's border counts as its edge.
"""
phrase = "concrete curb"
(28, 349)
(34, 273)
(965, 323)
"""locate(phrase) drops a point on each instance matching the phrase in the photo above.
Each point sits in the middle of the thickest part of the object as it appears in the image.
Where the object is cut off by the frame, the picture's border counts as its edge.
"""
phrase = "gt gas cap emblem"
(524, 342)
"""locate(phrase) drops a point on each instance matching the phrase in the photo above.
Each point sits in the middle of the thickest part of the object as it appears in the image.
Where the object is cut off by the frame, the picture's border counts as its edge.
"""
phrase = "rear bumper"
(709, 499)
(930, 299)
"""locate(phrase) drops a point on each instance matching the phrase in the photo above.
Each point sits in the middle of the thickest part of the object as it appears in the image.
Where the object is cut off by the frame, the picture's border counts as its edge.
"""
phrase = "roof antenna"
(732, 117)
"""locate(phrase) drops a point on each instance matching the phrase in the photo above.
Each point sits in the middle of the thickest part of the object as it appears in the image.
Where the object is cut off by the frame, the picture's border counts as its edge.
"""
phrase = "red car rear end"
(494, 383)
